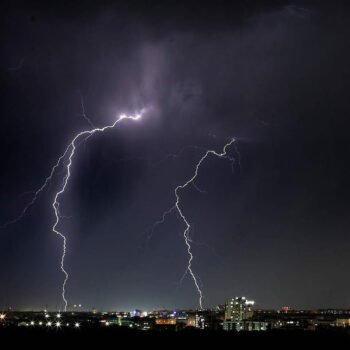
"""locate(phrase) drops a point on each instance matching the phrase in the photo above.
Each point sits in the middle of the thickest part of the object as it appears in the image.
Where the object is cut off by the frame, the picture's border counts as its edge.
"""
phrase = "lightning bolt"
(49, 178)
(160, 221)
(178, 209)
(66, 159)
(70, 151)
(149, 232)
(36, 193)
(83, 113)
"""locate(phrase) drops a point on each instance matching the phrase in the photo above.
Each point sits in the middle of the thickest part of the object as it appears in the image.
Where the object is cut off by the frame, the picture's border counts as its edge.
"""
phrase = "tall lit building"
(239, 316)
(238, 309)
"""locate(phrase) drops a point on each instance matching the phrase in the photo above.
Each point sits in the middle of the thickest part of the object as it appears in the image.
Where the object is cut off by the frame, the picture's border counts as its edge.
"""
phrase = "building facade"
(238, 309)
(247, 325)
(239, 316)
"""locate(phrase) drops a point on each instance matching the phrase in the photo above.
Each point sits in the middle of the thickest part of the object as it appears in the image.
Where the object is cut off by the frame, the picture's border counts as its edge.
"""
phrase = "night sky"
(273, 227)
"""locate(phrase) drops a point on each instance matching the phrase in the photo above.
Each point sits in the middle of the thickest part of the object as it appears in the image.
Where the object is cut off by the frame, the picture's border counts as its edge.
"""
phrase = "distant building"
(247, 325)
(191, 321)
(136, 313)
(165, 321)
(238, 309)
(342, 322)
(197, 320)
(286, 309)
(238, 316)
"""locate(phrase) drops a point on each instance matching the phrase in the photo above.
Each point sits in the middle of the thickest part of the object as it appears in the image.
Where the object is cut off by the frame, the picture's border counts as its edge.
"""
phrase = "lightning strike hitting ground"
(176, 206)
(67, 158)
(70, 150)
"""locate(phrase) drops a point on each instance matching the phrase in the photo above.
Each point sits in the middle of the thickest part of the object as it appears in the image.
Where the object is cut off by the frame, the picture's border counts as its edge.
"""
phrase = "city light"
(237, 314)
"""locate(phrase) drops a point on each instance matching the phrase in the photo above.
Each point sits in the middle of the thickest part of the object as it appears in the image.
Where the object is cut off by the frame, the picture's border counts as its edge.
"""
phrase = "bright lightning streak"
(70, 151)
(48, 179)
(188, 226)
(66, 159)
(149, 232)
(176, 206)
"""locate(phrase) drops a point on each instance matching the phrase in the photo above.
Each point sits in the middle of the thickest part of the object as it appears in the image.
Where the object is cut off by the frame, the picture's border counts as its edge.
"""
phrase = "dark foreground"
(114, 335)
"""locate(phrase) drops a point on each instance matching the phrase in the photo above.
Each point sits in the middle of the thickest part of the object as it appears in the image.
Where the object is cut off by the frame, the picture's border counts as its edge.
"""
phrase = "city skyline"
(238, 314)
(257, 306)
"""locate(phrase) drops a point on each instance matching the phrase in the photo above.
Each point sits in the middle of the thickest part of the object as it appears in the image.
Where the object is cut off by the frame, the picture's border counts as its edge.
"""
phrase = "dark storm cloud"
(275, 76)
